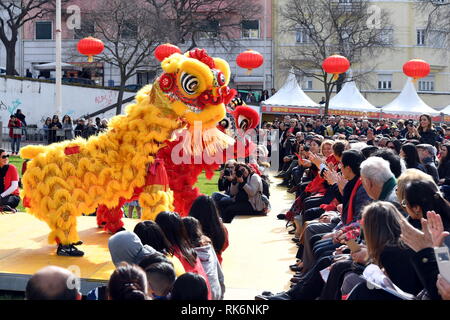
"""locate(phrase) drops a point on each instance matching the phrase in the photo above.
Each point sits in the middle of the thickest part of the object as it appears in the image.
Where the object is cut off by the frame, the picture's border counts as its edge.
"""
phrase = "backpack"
(265, 187)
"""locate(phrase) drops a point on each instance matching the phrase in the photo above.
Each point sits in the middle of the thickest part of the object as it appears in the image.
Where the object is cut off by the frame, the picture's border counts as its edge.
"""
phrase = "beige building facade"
(385, 82)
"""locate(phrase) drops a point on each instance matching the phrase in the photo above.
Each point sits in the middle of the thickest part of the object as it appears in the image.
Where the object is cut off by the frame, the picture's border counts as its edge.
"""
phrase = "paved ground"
(260, 251)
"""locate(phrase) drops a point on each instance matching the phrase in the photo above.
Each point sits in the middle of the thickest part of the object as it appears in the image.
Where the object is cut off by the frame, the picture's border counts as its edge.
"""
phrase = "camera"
(240, 173)
(306, 148)
(227, 173)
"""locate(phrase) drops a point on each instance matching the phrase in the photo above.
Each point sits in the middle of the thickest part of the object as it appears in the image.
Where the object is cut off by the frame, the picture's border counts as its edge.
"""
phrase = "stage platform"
(256, 260)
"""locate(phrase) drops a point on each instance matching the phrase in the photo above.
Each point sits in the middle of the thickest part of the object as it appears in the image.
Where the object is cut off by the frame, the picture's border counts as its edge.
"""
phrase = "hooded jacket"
(213, 270)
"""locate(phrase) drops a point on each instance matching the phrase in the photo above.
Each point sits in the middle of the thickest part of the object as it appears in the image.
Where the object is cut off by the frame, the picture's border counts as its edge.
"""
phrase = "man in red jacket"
(9, 184)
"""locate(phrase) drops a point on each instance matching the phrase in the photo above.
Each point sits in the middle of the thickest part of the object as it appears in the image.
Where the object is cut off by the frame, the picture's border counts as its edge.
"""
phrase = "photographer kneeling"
(245, 190)
(224, 183)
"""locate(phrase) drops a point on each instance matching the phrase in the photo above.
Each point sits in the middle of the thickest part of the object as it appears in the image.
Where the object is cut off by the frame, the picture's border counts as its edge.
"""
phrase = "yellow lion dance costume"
(65, 180)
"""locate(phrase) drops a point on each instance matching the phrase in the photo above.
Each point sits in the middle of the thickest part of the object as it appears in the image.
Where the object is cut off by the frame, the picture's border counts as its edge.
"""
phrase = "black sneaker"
(7, 208)
(69, 251)
(281, 216)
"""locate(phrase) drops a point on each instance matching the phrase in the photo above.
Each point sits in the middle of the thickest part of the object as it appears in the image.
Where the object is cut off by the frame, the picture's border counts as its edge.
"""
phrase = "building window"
(44, 30)
(210, 29)
(87, 29)
(129, 31)
(250, 29)
(426, 84)
(145, 77)
(307, 83)
(420, 37)
(302, 36)
(385, 82)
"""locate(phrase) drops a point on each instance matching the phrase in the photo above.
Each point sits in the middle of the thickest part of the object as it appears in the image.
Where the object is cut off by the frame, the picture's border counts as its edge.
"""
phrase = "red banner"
(312, 111)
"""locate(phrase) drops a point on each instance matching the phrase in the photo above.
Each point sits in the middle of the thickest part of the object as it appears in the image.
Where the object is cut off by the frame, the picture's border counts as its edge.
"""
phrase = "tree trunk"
(327, 94)
(120, 98)
(11, 58)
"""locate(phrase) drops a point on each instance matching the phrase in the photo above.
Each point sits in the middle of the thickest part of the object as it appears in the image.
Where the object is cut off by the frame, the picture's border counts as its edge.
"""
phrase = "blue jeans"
(15, 142)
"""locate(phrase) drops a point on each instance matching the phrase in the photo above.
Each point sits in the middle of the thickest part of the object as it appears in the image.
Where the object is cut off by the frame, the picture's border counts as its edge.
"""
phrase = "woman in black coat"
(427, 133)
(444, 165)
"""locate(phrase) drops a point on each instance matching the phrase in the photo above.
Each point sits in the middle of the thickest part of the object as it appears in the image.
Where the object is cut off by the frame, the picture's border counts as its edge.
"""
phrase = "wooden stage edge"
(24, 250)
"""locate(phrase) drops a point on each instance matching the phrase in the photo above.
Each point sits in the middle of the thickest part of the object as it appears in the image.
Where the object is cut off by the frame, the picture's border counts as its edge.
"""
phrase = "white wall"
(36, 100)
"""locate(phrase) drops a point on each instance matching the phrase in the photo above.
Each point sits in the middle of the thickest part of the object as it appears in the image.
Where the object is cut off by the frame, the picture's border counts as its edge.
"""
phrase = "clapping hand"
(315, 159)
(341, 182)
(443, 287)
(331, 176)
(414, 238)
(436, 228)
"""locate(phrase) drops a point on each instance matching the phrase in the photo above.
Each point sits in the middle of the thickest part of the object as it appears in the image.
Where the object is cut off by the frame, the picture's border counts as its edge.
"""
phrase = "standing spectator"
(103, 126)
(426, 131)
(273, 91)
(55, 125)
(98, 122)
(264, 96)
(67, 127)
(46, 127)
(50, 283)
(190, 286)
(15, 124)
(80, 129)
(21, 117)
(91, 129)
(321, 102)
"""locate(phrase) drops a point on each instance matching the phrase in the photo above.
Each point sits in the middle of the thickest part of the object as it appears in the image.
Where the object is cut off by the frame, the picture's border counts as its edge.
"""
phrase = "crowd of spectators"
(67, 129)
(371, 203)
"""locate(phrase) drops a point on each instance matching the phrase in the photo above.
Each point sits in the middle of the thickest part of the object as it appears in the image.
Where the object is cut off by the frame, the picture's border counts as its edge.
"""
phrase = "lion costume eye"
(189, 83)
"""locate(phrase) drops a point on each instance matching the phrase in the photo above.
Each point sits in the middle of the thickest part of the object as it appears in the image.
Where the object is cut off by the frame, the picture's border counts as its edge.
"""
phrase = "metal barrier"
(34, 136)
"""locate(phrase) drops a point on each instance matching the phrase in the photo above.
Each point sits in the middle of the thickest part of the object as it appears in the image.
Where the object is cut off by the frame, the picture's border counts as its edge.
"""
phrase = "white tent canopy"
(52, 66)
(408, 102)
(349, 98)
(290, 95)
(446, 110)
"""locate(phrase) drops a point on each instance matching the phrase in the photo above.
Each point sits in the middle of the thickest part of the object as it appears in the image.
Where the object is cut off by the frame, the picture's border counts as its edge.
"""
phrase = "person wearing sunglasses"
(9, 184)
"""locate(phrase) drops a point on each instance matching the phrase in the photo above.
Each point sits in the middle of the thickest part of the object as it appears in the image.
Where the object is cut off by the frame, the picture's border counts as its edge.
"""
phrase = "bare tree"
(438, 24)
(355, 30)
(188, 21)
(13, 15)
(130, 31)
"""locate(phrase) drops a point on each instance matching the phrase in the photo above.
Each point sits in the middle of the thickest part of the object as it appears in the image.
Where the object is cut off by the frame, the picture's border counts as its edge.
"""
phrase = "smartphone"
(353, 246)
(443, 261)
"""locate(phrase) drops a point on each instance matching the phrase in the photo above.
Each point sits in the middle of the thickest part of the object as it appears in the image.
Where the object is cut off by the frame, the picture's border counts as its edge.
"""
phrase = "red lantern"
(165, 50)
(416, 69)
(250, 60)
(90, 47)
(336, 65)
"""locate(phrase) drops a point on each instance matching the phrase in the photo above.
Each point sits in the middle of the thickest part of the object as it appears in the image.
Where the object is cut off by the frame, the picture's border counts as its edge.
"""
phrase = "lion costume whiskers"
(65, 180)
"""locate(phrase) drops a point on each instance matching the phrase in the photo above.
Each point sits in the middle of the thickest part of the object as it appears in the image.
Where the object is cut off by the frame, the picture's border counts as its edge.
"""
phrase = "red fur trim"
(249, 113)
(202, 55)
(72, 150)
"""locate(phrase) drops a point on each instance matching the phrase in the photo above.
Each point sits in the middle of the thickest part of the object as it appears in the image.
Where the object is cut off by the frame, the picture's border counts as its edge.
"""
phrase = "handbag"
(262, 203)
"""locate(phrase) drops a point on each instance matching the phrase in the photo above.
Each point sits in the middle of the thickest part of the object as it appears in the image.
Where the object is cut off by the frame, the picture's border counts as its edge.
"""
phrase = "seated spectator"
(422, 196)
(160, 278)
(9, 188)
(190, 286)
(394, 145)
(382, 229)
(50, 283)
(151, 235)
(125, 246)
(172, 226)
(205, 211)
(378, 179)
(426, 131)
(128, 282)
(395, 163)
(410, 155)
(427, 155)
(444, 170)
(204, 250)
(80, 129)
